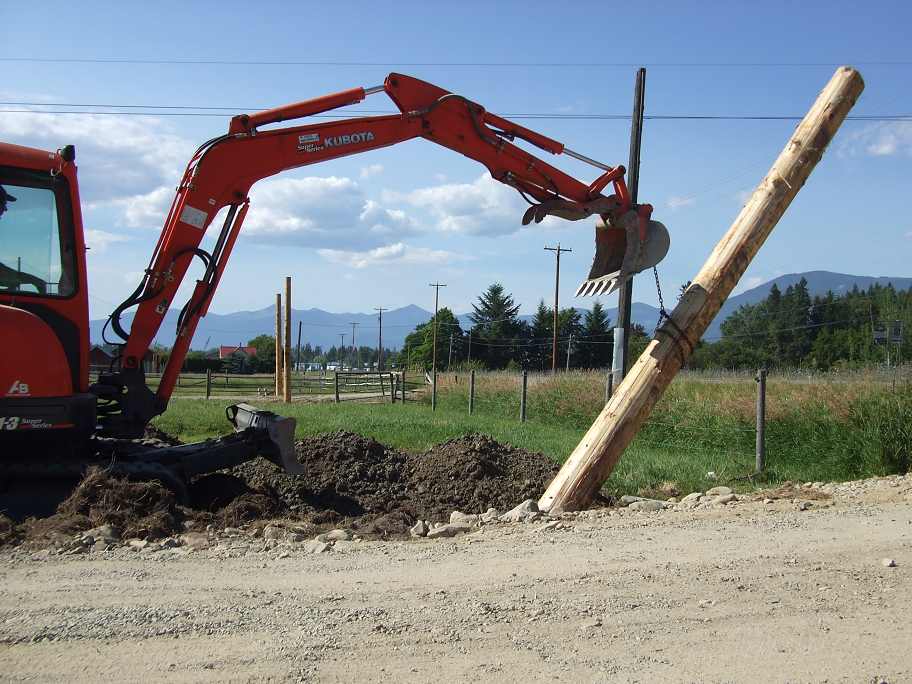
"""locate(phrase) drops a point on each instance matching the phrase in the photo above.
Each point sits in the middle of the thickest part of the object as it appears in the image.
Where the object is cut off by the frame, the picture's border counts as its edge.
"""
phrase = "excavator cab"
(48, 409)
(43, 300)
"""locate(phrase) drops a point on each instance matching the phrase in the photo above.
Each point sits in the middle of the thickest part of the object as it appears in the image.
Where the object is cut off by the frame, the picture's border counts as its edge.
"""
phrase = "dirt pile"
(474, 473)
(348, 479)
(138, 509)
(349, 476)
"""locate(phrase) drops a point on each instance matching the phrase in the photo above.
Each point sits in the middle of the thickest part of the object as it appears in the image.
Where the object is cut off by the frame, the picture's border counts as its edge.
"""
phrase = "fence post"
(392, 380)
(208, 382)
(522, 398)
(402, 379)
(761, 420)
(336, 377)
(609, 386)
(471, 392)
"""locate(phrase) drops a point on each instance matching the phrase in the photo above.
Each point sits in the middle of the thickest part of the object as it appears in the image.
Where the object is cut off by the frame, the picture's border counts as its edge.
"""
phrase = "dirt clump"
(345, 476)
(380, 490)
(475, 472)
(139, 509)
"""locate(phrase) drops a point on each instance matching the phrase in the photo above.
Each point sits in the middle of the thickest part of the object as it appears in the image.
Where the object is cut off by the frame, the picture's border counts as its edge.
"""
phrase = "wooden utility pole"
(620, 357)
(286, 363)
(357, 354)
(342, 352)
(557, 252)
(298, 350)
(380, 309)
(279, 349)
(594, 458)
(436, 287)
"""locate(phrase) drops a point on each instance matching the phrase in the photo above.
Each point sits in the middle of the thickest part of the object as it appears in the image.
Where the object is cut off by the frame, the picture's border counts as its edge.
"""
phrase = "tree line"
(787, 329)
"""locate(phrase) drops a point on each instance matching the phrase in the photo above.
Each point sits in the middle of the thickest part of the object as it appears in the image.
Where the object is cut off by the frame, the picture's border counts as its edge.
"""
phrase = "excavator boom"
(221, 172)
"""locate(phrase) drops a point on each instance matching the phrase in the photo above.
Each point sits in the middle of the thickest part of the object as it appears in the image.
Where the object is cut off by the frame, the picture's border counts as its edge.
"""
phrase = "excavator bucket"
(623, 249)
(274, 434)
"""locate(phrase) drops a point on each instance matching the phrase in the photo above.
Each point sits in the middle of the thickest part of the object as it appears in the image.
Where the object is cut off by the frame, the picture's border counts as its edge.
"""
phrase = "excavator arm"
(221, 172)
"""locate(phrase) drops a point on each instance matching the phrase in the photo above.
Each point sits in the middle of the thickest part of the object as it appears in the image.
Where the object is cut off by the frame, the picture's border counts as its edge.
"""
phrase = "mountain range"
(324, 328)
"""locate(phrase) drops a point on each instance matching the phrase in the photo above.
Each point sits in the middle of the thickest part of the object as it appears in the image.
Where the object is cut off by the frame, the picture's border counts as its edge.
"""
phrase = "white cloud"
(388, 254)
(482, 207)
(371, 170)
(100, 240)
(881, 139)
(329, 212)
(118, 156)
(143, 211)
(909, 234)
(676, 202)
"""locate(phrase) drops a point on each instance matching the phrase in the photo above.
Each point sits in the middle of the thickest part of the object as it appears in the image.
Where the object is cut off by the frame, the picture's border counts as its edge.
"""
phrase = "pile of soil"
(348, 480)
(475, 472)
(345, 474)
(352, 478)
(138, 509)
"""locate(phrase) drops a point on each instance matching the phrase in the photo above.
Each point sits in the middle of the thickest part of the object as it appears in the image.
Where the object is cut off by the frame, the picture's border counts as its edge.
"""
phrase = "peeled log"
(590, 464)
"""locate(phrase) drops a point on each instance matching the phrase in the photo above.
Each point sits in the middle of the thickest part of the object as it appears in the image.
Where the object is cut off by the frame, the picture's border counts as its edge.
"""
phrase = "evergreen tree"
(596, 349)
(500, 335)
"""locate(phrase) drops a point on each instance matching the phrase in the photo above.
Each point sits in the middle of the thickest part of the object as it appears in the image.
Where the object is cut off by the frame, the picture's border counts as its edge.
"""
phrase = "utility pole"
(380, 309)
(590, 464)
(436, 287)
(286, 362)
(298, 351)
(357, 354)
(620, 363)
(557, 252)
(342, 352)
(469, 357)
(279, 348)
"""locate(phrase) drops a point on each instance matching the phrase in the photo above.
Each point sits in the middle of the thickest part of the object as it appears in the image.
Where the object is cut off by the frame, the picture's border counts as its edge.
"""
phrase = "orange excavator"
(45, 395)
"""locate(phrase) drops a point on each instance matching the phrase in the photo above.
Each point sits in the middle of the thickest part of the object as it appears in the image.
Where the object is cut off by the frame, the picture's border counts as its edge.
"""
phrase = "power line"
(485, 65)
(212, 112)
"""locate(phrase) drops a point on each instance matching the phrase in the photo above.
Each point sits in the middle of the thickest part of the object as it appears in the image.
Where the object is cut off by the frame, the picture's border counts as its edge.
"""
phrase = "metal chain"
(663, 314)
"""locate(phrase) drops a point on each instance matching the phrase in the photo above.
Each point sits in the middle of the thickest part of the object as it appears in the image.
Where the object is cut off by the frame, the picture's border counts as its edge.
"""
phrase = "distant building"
(99, 359)
(226, 351)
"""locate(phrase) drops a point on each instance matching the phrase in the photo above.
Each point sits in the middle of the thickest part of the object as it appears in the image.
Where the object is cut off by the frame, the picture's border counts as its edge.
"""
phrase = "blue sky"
(442, 218)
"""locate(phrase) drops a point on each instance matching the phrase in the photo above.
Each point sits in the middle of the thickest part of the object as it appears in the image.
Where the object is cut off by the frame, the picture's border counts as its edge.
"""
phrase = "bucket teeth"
(597, 286)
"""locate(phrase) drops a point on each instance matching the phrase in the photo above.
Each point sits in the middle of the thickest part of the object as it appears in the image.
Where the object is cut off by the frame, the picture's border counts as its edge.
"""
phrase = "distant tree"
(265, 353)
(499, 333)
(596, 348)
(420, 342)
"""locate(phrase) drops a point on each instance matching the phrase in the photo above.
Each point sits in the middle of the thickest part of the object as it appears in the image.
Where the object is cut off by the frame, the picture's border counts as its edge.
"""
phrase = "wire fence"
(329, 385)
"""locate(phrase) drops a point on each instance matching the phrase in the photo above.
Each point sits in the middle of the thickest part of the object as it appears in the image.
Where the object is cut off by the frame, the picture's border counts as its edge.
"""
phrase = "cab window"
(36, 251)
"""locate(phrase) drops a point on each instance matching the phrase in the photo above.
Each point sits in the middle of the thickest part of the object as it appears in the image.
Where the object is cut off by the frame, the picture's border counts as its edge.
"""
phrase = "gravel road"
(750, 591)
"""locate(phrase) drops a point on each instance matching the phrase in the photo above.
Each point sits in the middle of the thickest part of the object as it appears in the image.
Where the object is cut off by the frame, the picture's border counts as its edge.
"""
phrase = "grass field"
(819, 428)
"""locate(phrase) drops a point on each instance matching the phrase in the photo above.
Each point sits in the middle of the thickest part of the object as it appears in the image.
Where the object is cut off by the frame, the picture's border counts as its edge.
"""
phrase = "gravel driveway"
(751, 592)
